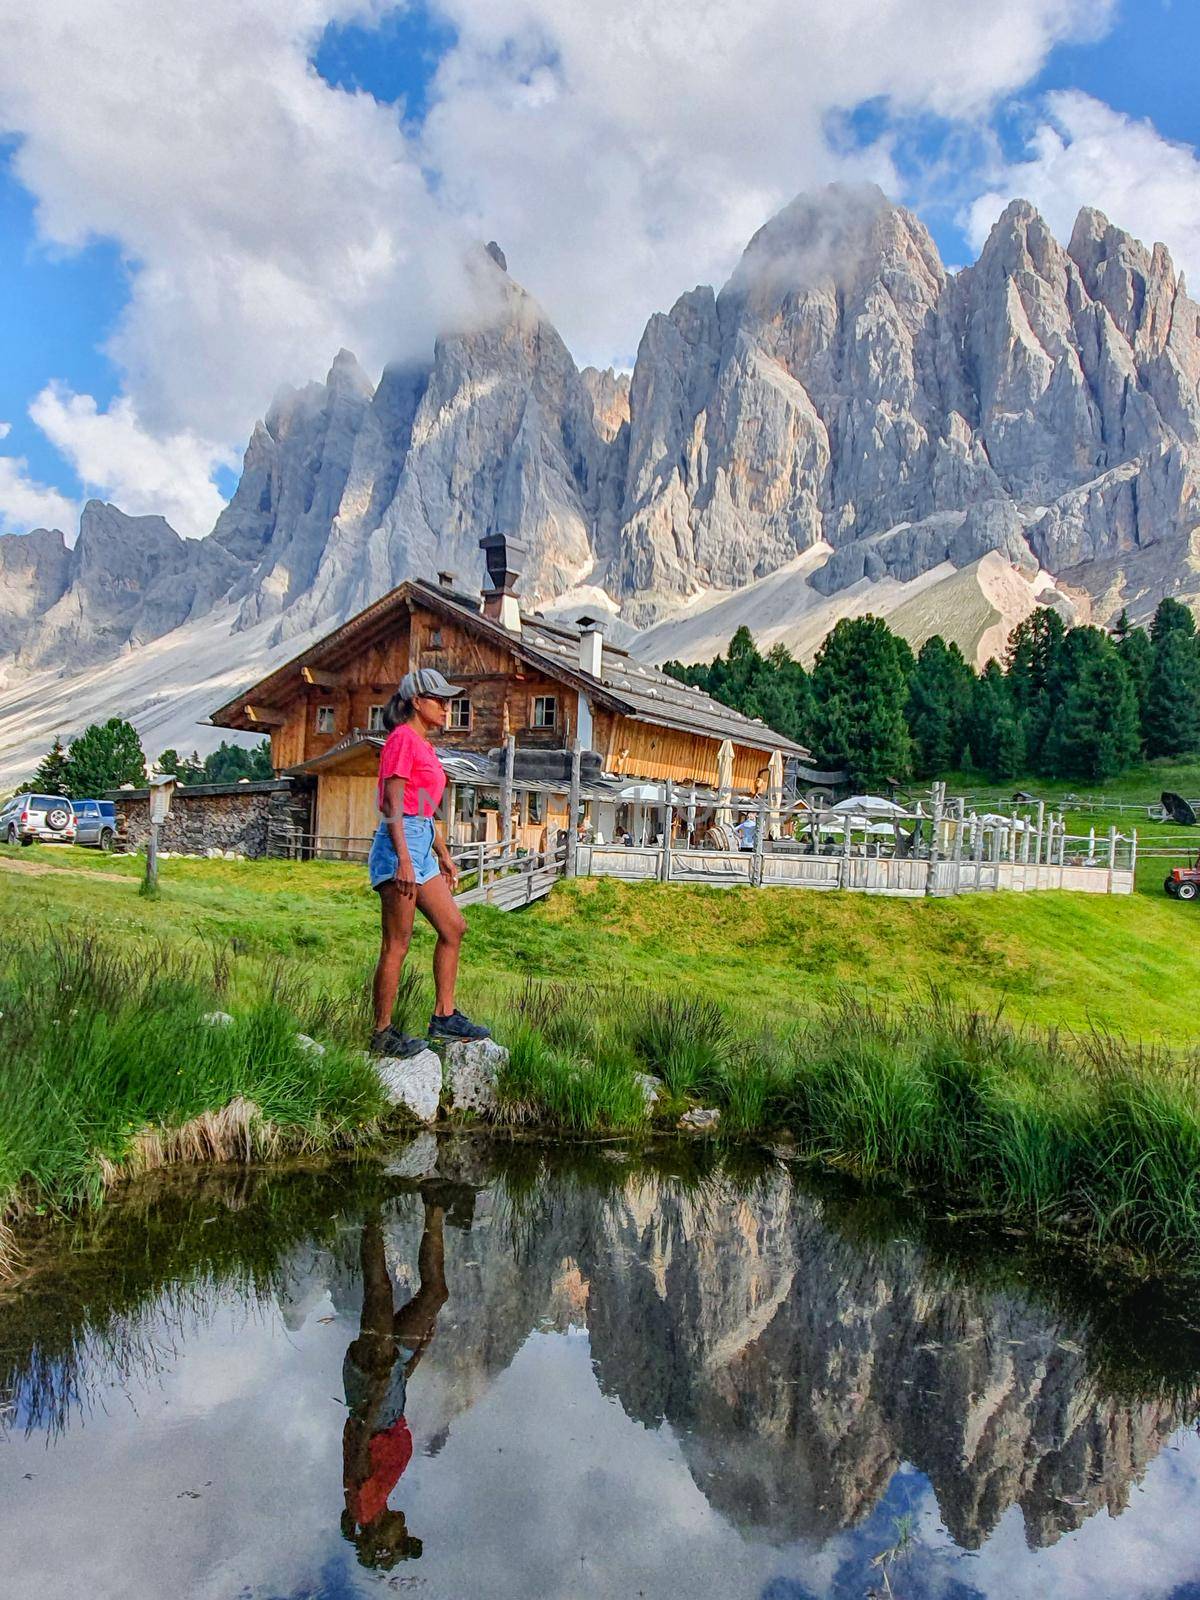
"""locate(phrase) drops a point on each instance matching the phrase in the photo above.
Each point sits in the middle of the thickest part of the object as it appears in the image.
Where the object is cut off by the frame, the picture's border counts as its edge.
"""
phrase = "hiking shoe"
(391, 1042)
(456, 1026)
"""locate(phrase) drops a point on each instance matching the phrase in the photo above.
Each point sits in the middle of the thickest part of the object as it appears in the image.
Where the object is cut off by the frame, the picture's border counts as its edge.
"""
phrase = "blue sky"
(92, 305)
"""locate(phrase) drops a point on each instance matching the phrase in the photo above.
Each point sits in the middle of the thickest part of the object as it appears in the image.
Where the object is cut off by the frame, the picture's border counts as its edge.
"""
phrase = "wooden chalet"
(543, 684)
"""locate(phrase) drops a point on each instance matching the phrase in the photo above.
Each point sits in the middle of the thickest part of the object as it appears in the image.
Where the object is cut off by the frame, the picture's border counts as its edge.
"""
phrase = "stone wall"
(250, 819)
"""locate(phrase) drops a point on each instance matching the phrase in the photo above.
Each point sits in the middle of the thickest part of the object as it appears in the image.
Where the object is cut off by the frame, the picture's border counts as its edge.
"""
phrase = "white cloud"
(622, 153)
(1086, 154)
(117, 459)
(619, 153)
(26, 504)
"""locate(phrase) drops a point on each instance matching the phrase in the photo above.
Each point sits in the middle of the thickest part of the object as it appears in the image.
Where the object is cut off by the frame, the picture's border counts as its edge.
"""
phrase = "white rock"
(472, 1069)
(414, 1082)
(310, 1045)
(651, 1087)
(418, 1158)
(214, 853)
(702, 1119)
(217, 1019)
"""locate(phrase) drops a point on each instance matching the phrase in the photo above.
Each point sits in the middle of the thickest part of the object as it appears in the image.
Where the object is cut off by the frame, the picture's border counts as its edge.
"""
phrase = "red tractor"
(1183, 883)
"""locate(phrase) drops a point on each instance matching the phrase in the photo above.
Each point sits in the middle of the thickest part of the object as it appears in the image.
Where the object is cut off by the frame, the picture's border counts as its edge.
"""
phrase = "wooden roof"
(626, 686)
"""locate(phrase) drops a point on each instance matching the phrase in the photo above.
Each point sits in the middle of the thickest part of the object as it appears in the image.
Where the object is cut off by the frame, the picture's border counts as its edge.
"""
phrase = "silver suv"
(47, 818)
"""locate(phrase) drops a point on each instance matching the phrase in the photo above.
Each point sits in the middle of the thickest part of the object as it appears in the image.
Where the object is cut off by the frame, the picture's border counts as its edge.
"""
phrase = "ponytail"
(397, 710)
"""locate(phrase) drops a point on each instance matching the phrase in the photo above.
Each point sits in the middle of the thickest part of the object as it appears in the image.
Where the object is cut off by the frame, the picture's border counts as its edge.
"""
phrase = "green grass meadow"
(1032, 1055)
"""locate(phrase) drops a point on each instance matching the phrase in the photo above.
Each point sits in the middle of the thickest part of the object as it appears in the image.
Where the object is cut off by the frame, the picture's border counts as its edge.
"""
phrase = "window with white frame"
(460, 713)
(536, 808)
(375, 719)
(545, 711)
(325, 720)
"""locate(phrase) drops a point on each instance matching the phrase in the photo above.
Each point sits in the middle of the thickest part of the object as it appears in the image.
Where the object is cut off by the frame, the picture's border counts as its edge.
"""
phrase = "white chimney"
(591, 646)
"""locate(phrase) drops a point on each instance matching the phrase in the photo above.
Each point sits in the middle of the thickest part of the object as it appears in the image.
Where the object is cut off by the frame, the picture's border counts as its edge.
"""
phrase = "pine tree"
(53, 775)
(1136, 651)
(1034, 674)
(105, 756)
(1095, 733)
(229, 762)
(939, 695)
(185, 769)
(859, 693)
(1170, 617)
(993, 726)
(1169, 724)
(774, 687)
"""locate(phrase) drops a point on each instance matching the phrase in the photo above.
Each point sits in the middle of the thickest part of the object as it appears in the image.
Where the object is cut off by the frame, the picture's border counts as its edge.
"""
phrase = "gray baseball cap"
(429, 682)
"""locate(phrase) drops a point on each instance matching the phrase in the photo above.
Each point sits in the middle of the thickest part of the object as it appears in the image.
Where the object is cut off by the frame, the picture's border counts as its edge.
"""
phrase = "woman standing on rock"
(410, 863)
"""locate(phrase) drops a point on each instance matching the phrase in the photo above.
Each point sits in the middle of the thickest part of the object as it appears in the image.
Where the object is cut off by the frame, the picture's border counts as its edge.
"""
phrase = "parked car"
(46, 818)
(95, 823)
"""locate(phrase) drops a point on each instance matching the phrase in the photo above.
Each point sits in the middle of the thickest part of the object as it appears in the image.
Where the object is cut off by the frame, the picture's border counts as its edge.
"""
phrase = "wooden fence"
(943, 850)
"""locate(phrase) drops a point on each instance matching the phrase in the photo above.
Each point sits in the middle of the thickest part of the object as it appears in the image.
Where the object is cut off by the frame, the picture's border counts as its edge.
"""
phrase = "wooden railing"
(498, 875)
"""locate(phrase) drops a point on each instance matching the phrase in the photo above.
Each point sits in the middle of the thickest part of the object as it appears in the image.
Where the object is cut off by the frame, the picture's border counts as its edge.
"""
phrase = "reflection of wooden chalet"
(543, 684)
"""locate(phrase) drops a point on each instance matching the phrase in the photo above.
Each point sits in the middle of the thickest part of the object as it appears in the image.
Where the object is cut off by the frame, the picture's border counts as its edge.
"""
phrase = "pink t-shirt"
(406, 755)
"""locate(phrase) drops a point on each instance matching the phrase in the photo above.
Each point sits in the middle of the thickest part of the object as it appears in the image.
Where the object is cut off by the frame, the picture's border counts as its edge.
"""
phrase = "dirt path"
(39, 869)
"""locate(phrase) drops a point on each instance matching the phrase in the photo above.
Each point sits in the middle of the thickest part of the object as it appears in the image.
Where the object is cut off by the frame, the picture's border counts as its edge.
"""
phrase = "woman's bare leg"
(397, 912)
(437, 904)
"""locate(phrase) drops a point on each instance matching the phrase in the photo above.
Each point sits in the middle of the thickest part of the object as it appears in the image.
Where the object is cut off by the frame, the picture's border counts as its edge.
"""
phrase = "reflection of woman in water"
(376, 1443)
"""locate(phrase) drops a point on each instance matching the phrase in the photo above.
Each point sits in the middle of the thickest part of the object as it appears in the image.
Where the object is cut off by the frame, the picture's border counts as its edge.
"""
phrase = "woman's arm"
(393, 813)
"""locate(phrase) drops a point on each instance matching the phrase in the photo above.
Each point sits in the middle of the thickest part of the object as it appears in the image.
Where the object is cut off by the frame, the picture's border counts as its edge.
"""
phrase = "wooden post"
(1062, 839)
(1133, 854)
(1041, 823)
(668, 819)
(956, 849)
(1112, 855)
(937, 800)
(844, 870)
(506, 793)
(573, 809)
(152, 860)
(760, 844)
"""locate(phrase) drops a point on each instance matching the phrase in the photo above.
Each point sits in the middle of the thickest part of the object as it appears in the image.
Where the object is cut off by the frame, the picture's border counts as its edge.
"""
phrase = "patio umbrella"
(869, 805)
(775, 795)
(646, 794)
(725, 780)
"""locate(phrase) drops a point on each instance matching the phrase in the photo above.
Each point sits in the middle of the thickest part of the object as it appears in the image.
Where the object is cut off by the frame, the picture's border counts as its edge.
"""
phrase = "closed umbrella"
(725, 781)
(775, 795)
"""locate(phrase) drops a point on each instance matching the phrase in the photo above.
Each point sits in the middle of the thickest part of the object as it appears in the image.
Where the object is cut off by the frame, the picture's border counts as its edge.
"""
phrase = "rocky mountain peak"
(841, 403)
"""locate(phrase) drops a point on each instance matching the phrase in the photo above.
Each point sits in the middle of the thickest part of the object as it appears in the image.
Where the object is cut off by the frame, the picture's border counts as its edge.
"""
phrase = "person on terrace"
(410, 865)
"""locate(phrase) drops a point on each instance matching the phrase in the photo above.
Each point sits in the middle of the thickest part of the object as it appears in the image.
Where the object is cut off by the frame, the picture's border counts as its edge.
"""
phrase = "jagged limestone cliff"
(844, 410)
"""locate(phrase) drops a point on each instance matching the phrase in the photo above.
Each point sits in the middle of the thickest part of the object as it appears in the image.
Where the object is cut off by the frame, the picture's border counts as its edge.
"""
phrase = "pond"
(493, 1371)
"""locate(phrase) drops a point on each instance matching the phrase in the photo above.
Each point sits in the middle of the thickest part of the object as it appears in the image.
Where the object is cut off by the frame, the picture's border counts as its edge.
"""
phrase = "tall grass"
(1086, 1135)
(108, 1065)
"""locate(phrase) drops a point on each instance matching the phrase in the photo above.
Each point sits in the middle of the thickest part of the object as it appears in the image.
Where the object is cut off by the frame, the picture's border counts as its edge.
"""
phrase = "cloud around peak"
(267, 217)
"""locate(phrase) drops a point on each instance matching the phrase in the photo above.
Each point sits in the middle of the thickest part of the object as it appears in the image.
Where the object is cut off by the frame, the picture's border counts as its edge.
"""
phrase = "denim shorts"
(382, 862)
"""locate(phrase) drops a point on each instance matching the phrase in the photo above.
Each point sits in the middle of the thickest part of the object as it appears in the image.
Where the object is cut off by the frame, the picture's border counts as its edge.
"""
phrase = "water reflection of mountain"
(799, 1364)
(801, 1372)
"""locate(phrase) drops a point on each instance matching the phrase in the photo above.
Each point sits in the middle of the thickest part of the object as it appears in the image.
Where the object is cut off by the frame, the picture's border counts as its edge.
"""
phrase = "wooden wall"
(346, 809)
(501, 689)
(641, 750)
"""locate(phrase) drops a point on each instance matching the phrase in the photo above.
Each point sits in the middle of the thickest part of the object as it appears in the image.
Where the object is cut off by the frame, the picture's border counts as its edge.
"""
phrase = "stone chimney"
(591, 645)
(500, 601)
